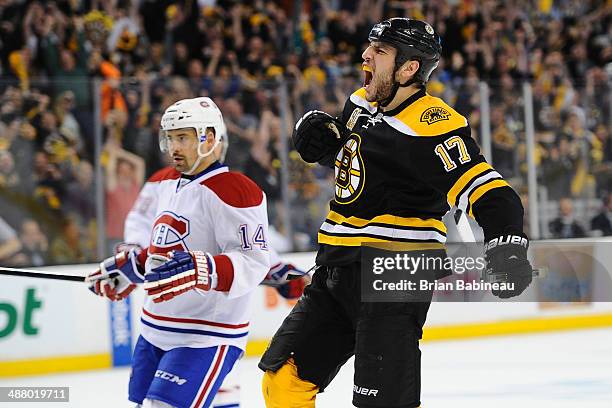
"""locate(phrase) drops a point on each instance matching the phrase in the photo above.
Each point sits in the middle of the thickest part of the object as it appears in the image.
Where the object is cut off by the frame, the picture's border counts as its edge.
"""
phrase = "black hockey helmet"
(413, 40)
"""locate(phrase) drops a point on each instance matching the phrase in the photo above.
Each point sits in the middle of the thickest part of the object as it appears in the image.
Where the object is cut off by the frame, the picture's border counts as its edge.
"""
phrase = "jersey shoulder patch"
(167, 173)
(359, 98)
(235, 189)
(427, 116)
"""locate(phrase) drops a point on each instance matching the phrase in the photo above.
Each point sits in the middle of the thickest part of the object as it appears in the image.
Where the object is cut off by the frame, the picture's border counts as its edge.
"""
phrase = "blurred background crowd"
(265, 63)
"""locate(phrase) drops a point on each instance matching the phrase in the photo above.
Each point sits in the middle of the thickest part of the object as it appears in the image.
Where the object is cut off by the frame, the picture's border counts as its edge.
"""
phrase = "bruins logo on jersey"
(435, 114)
(349, 171)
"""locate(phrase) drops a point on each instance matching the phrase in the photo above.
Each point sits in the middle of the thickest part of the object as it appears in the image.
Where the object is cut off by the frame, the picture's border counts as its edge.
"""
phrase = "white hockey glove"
(117, 275)
(179, 272)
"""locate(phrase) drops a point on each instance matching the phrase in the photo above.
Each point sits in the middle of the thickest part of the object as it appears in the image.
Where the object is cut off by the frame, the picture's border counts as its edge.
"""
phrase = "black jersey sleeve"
(453, 165)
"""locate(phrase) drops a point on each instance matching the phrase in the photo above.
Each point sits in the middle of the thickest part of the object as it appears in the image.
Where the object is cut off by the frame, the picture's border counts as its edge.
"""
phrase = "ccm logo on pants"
(364, 391)
(170, 377)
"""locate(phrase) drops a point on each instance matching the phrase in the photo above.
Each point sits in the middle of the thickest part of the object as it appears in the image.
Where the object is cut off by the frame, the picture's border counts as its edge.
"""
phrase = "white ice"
(571, 369)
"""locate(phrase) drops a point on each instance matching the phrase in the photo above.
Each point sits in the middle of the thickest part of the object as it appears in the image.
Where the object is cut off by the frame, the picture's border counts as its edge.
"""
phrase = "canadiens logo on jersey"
(169, 233)
(435, 114)
(349, 171)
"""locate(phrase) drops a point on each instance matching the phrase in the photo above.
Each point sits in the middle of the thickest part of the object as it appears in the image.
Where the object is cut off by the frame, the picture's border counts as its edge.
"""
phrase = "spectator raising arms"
(124, 178)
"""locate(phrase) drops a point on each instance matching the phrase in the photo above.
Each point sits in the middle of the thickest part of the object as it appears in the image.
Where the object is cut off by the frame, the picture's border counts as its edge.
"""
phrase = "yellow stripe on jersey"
(346, 241)
(430, 116)
(375, 242)
(464, 180)
(389, 219)
(481, 190)
(361, 93)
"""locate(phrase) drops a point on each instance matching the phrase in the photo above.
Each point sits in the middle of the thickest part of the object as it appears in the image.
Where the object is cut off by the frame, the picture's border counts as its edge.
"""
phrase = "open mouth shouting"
(368, 75)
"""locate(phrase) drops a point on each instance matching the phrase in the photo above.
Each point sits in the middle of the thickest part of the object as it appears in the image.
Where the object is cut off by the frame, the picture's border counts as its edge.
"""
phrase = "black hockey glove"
(506, 258)
(318, 136)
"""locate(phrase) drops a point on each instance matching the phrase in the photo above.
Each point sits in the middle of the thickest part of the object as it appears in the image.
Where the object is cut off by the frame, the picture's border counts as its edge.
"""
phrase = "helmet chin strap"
(201, 156)
(396, 85)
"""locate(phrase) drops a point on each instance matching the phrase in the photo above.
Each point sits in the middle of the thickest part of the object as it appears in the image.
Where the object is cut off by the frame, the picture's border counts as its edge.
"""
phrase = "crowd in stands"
(265, 63)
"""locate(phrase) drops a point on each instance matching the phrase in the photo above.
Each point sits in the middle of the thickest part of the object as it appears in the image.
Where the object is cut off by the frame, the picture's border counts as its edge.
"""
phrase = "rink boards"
(52, 326)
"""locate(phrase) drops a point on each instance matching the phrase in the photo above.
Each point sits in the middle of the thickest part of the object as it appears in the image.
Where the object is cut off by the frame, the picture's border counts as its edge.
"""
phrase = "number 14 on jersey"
(258, 237)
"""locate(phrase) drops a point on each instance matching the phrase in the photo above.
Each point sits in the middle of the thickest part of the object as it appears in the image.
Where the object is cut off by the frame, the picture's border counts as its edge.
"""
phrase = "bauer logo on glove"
(506, 258)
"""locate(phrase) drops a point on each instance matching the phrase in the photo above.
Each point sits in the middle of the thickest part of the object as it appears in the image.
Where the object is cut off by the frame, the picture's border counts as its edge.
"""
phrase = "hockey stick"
(463, 226)
(30, 273)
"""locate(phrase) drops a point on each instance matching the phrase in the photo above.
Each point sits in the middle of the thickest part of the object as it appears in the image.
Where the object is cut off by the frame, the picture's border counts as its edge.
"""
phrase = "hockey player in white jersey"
(207, 252)
(285, 277)
(137, 230)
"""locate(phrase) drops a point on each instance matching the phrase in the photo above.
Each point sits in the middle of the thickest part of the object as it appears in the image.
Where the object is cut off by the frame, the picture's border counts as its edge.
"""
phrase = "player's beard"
(383, 84)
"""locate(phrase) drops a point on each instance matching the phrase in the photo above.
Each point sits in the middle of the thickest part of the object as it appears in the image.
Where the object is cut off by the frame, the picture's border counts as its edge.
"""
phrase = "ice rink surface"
(571, 369)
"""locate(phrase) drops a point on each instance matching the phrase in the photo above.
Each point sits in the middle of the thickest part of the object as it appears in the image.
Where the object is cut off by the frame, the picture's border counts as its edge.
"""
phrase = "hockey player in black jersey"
(402, 158)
